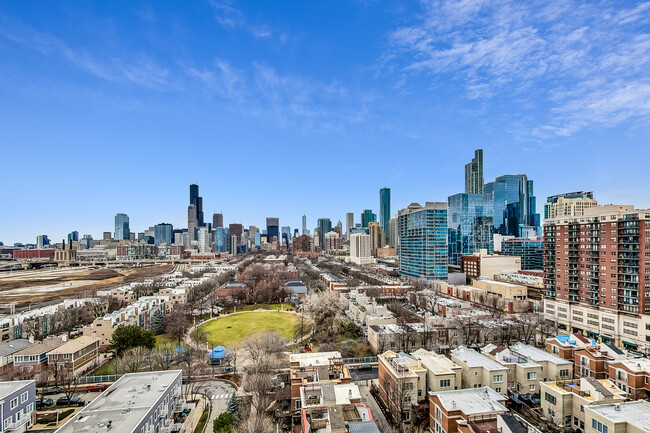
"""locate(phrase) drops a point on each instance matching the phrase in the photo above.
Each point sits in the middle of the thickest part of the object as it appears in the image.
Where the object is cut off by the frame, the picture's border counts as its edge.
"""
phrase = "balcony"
(18, 424)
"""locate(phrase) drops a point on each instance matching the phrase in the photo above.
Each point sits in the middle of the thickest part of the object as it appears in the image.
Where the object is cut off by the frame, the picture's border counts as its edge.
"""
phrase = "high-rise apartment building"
(122, 227)
(360, 249)
(304, 224)
(597, 274)
(376, 237)
(324, 226)
(474, 174)
(392, 233)
(570, 204)
(384, 209)
(423, 248)
(367, 216)
(531, 252)
(470, 223)
(163, 234)
(349, 224)
(203, 238)
(73, 236)
(192, 221)
(272, 228)
(217, 220)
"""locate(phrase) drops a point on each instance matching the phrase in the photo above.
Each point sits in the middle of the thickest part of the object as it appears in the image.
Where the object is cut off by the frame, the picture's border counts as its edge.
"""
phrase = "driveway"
(377, 414)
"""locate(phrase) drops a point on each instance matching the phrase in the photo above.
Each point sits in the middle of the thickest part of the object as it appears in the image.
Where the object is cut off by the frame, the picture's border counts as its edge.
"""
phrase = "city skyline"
(214, 81)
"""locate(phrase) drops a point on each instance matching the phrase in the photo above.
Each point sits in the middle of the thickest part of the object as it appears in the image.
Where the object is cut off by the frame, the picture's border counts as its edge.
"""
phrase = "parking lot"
(362, 375)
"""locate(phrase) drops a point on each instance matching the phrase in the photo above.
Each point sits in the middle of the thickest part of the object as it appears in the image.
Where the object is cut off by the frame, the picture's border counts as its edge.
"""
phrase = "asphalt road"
(219, 393)
(377, 414)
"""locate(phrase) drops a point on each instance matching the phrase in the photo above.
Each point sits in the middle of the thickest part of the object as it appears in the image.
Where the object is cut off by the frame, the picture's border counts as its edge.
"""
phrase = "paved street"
(219, 393)
(377, 414)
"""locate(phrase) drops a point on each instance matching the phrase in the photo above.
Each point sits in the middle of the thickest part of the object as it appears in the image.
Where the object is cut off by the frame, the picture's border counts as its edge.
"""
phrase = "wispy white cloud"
(589, 62)
(139, 70)
(228, 15)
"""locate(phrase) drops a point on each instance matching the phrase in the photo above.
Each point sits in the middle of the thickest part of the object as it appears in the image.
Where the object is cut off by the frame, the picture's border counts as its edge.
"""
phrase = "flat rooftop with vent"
(136, 402)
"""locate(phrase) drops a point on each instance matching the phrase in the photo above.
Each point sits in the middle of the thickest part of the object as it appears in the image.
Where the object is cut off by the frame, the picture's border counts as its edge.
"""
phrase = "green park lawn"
(245, 324)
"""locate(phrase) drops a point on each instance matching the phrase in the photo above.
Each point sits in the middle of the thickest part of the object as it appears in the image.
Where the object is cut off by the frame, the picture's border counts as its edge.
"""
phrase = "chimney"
(64, 337)
(31, 339)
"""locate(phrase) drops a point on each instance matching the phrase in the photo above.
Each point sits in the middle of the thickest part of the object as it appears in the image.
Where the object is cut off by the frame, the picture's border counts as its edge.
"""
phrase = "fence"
(364, 360)
(98, 379)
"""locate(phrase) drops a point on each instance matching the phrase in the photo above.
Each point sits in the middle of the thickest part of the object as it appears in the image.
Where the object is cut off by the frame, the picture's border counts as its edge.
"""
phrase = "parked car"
(364, 367)
(52, 390)
(75, 400)
(97, 387)
(44, 402)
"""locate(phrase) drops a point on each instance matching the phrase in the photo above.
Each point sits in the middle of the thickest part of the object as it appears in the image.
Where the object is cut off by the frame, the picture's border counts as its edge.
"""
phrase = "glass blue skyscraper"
(163, 233)
(384, 209)
(324, 227)
(122, 227)
(423, 248)
(367, 216)
(514, 204)
(220, 239)
(470, 224)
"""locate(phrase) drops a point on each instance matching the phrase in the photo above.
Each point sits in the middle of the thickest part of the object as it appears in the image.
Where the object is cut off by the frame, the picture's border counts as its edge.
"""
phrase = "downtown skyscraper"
(474, 174)
(384, 209)
(122, 227)
(197, 201)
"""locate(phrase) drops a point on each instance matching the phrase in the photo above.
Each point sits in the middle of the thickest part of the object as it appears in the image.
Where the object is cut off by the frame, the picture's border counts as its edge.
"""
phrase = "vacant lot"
(244, 324)
(33, 287)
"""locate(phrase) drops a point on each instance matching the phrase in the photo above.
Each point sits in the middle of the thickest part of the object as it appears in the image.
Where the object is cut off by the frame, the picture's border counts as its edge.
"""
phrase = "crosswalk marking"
(220, 396)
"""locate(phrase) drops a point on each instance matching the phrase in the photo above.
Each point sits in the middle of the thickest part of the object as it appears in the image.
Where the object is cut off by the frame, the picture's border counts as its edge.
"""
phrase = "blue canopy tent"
(218, 354)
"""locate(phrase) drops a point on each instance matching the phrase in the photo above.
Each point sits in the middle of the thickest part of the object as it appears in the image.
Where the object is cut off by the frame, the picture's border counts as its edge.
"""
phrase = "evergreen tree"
(131, 336)
(158, 322)
(223, 424)
(233, 406)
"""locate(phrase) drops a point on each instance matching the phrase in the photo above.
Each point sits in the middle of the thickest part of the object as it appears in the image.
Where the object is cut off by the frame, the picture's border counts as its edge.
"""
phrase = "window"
(23, 397)
(498, 378)
(550, 398)
(531, 388)
(445, 383)
(532, 376)
(597, 425)
(14, 403)
(564, 373)
(497, 389)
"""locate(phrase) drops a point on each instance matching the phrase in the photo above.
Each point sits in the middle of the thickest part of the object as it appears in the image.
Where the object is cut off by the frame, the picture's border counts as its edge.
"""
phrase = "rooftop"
(41, 347)
(636, 413)
(537, 355)
(8, 387)
(73, 346)
(13, 346)
(472, 401)
(438, 364)
(475, 359)
(124, 403)
(313, 358)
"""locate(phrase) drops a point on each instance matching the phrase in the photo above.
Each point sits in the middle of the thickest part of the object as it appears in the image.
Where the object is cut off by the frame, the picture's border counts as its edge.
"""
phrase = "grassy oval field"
(244, 324)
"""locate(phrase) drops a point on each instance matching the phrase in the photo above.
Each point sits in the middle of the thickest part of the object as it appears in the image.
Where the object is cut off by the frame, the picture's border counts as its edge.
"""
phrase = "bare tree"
(66, 379)
(528, 324)
(135, 359)
(260, 385)
(177, 322)
(256, 423)
(264, 349)
(163, 356)
(195, 365)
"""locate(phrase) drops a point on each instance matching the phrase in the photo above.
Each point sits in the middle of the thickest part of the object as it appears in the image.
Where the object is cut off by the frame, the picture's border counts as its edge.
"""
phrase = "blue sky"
(280, 108)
